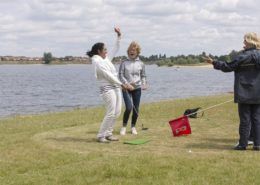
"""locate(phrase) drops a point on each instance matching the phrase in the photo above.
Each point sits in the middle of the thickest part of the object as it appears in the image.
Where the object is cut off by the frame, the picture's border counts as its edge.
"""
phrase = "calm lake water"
(33, 89)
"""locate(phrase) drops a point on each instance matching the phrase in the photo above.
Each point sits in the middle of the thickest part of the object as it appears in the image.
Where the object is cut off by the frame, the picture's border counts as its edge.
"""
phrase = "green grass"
(60, 148)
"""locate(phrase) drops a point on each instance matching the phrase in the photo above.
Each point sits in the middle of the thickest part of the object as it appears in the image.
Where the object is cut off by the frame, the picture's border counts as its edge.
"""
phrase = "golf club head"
(144, 128)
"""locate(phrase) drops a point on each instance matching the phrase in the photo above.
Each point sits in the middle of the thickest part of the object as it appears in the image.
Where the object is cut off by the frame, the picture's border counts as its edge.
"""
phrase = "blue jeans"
(131, 98)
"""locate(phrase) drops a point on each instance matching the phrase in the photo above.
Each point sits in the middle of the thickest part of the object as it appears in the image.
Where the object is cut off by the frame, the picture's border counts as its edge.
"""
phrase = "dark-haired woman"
(109, 83)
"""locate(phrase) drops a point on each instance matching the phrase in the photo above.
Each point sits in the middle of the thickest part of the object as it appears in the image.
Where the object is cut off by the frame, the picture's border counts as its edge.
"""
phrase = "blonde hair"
(134, 45)
(253, 39)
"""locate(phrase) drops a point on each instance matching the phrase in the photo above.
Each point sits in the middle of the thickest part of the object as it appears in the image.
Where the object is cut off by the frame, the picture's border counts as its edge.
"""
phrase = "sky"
(171, 27)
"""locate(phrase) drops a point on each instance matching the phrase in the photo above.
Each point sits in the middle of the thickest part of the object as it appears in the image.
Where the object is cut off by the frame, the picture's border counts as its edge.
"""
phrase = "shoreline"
(195, 66)
(174, 66)
(45, 113)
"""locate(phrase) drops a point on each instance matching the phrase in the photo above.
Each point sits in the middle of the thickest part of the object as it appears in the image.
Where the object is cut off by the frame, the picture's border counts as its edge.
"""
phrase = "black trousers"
(249, 115)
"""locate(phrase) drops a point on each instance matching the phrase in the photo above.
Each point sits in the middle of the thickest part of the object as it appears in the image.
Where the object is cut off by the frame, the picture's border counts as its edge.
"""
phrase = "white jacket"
(105, 71)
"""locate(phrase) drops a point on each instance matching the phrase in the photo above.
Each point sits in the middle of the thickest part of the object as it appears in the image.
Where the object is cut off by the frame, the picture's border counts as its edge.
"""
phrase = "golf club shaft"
(209, 107)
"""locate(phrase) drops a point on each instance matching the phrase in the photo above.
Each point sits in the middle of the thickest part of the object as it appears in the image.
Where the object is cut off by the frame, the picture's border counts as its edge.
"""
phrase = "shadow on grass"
(72, 139)
(221, 140)
(92, 132)
(209, 146)
(214, 143)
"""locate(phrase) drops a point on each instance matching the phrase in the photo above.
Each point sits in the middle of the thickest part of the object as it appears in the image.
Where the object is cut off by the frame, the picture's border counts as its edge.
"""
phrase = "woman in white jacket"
(109, 83)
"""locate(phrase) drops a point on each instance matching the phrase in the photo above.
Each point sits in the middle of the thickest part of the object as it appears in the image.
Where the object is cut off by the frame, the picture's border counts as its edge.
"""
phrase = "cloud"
(65, 27)
(154, 9)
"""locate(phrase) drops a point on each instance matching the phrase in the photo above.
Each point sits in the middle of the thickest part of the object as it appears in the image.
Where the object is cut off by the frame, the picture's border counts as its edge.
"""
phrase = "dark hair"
(94, 50)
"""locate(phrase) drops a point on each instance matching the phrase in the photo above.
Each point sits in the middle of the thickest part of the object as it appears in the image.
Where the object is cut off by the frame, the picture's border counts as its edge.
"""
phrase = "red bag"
(180, 126)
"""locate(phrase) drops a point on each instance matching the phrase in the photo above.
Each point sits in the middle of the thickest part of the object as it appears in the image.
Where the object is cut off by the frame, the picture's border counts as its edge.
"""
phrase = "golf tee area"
(61, 148)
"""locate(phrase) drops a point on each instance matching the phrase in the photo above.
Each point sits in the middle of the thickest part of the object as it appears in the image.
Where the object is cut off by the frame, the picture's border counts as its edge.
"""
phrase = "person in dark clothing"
(251, 137)
(246, 67)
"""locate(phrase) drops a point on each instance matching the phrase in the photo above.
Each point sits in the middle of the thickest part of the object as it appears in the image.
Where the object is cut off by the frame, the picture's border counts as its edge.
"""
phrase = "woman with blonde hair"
(132, 72)
(252, 39)
(246, 67)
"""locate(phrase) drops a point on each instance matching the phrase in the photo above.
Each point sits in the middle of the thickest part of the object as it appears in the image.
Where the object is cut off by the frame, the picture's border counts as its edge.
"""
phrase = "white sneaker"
(112, 138)
(134, 131)
(123, 131)
(102, 140)
(248, 143)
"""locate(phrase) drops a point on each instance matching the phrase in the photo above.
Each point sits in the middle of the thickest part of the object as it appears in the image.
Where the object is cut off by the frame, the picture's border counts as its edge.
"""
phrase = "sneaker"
(123, 131)
(238, 147)
(256, 148)
(248, 143)
(134, 132)
(102, 140)
(112, 138)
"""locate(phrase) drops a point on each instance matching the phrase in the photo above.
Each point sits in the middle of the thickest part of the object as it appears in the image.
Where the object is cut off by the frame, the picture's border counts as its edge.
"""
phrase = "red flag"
(180, 126)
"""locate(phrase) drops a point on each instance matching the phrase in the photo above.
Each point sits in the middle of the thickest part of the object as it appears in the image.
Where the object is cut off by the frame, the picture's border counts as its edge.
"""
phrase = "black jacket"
(247, 75)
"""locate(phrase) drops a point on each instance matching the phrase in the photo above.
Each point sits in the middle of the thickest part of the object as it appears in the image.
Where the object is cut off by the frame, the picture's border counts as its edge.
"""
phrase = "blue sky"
(173, 27)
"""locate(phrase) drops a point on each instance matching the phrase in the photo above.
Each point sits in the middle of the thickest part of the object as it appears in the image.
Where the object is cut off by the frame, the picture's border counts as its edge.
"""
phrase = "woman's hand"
(117, 30)
(127, 87)
(144, 87)
(208, 59)
(124, 87)
(130, 87)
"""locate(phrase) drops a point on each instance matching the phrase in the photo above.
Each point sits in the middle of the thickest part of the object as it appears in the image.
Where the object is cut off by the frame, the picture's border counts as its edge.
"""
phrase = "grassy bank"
(60, 148)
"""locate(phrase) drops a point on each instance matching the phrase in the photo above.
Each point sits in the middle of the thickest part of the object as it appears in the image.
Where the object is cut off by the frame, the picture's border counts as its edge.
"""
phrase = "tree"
(224, 58)
(233, 54)
(204, 54)
(47, 57)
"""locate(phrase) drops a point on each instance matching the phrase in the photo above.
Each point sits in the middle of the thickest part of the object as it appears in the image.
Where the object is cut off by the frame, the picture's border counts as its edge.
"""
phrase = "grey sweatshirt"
(132, 71)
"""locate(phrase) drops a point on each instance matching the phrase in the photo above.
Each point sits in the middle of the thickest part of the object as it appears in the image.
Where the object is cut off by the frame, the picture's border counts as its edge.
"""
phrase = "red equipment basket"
(180, 126)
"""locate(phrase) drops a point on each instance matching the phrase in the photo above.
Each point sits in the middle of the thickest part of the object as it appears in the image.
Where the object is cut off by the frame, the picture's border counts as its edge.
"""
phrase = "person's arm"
(233, 65)
(116, 47)
(143, 75)
(107, 74)
(229, 66)
(126, 84)
(121, 73)
(256, 59)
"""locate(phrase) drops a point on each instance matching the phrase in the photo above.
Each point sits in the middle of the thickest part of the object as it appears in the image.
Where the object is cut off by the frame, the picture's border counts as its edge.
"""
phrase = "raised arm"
(116, 47)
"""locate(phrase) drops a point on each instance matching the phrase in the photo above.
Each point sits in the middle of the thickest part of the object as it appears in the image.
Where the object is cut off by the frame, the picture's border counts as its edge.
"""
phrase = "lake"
(33, 89)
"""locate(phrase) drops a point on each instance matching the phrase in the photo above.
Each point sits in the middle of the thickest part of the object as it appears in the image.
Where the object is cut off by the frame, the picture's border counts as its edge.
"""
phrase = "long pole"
(209, 107)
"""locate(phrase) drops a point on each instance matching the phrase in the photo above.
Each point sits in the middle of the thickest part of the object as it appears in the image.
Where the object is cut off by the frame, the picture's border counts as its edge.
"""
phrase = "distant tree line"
(48, 58)
(159, 60)
(163, 60)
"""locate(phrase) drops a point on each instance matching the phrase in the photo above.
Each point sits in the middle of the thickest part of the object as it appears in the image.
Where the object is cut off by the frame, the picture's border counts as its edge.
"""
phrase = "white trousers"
(113, 104)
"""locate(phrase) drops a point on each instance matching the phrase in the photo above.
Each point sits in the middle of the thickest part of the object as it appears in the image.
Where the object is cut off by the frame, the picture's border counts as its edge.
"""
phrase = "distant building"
(24, 59)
